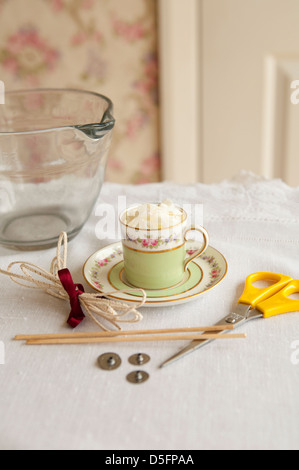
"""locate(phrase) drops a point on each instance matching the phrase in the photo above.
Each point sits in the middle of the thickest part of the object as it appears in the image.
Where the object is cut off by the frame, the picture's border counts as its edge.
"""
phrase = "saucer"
(104, 272)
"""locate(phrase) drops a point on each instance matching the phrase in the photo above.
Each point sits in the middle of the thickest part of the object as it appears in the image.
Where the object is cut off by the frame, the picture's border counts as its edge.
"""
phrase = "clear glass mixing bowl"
(53, 151)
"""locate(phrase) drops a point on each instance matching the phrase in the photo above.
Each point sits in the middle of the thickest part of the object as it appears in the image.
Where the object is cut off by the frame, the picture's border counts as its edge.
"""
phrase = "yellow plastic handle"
(254, 295)
(280, 302)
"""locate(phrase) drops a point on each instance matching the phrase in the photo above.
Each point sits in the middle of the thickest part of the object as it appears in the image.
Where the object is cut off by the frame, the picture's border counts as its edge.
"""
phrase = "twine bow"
(58, 283)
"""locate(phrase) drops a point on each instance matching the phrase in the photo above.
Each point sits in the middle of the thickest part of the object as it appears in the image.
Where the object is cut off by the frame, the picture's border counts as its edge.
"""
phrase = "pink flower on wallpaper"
(26, 53)
(2, 3)
(115, 164)
(96, 66)
(148, 83)
(87, 4)
(150, 165)
(81, 37)
(57, 5)
(149, 170)
(135, 124)
(129, 31)
(10, 64)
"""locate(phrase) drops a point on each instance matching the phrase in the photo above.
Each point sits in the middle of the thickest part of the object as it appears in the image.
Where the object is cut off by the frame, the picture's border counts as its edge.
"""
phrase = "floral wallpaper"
(107, 46)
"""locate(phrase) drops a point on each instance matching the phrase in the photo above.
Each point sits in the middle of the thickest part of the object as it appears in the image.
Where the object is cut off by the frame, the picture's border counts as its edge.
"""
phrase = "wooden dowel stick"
(132, 339)
(103, 334)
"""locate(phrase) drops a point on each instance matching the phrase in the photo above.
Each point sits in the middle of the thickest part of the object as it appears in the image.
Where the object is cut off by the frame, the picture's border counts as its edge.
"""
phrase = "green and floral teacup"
(154, 250)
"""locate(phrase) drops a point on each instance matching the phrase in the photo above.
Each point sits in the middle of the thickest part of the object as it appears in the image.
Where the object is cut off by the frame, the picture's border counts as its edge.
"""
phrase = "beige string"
(94, 305)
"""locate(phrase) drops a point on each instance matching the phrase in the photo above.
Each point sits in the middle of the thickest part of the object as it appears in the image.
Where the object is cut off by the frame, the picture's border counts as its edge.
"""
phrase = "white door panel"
(247, 54)
(248, 118)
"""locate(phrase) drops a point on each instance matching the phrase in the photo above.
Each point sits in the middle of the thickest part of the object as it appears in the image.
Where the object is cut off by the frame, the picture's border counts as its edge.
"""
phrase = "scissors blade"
(235, 318)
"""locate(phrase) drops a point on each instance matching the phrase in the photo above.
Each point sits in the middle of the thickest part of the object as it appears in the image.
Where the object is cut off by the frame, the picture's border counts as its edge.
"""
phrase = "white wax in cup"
(153, 216)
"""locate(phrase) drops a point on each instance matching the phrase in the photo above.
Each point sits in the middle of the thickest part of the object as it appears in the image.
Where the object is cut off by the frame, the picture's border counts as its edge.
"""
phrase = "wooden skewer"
(103, 334)
(131, 339)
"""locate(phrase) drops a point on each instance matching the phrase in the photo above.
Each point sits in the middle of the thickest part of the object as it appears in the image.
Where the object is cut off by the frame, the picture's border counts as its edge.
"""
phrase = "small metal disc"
(137, 377)
(109, 361)
(139, 359)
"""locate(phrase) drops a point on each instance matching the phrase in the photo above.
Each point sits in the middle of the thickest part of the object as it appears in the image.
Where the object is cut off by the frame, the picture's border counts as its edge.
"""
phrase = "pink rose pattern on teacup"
(154, 243)
(101, 264)
(215, 271)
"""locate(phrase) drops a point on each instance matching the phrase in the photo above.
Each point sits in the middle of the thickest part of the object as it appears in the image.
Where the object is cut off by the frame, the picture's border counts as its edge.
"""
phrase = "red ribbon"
(73, 291)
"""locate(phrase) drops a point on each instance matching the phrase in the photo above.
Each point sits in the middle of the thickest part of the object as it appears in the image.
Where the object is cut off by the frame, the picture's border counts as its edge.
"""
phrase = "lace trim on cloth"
(251, 219)
(279, 241)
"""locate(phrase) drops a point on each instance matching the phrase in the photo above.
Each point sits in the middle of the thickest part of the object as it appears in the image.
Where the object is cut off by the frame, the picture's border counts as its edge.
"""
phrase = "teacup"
(154, 250)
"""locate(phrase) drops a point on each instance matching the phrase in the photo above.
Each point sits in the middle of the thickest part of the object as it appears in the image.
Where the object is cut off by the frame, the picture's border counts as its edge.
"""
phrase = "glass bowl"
(54, 145)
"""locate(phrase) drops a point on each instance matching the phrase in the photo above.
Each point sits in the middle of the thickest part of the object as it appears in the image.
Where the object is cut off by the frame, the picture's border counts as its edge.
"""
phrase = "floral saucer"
(104, 272)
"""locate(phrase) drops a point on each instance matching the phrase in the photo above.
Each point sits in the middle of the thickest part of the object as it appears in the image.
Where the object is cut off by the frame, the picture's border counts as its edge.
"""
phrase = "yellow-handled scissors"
(255, 303)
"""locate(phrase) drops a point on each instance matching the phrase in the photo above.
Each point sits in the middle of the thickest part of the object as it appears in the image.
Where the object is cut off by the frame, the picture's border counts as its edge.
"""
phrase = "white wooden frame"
(279, 124)
(179, 54)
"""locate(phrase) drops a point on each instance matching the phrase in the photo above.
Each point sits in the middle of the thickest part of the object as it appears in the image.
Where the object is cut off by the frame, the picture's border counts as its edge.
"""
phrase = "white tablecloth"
(233, 394)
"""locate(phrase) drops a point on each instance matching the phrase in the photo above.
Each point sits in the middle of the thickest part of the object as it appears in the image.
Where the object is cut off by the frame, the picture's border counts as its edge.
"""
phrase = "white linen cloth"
(232, 394)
